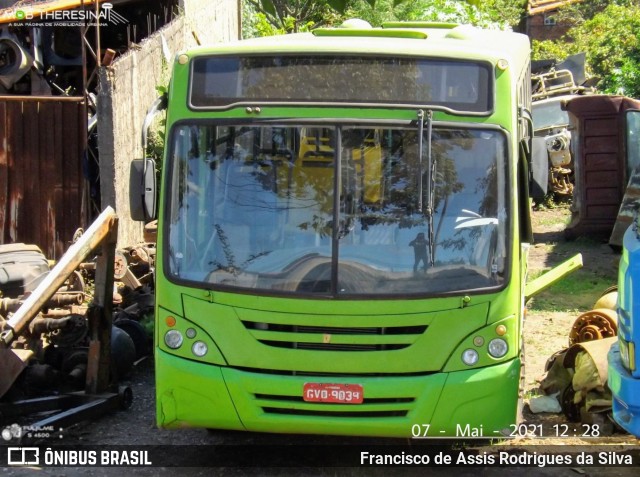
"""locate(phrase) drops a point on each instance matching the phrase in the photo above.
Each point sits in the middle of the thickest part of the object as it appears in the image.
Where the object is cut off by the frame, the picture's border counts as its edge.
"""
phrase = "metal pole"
(71, 260)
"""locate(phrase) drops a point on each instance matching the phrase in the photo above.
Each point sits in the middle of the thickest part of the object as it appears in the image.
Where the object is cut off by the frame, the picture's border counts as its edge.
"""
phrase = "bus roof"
(398, 39)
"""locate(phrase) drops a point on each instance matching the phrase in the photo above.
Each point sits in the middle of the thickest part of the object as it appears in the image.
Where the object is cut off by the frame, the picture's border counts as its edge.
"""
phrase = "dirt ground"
(546, 332)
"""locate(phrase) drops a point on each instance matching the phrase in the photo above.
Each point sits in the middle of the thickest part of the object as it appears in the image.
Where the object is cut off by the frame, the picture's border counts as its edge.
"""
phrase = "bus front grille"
(325, 338)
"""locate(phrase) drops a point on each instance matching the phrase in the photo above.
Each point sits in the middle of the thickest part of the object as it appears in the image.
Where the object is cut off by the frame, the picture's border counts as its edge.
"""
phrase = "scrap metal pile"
(553, 85)
(50, 355)
(576, 377)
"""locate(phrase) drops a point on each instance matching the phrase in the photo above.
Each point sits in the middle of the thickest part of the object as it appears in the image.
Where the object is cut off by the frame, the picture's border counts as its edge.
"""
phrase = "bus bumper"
(474, 403)
(626, 393)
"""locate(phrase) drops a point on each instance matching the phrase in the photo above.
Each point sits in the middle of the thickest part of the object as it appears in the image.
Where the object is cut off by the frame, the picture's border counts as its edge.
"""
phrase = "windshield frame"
(460, 109)
(335, 255)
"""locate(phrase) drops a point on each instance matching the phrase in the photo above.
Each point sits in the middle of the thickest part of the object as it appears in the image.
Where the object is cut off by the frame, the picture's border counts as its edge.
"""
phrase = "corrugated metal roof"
(535, 7)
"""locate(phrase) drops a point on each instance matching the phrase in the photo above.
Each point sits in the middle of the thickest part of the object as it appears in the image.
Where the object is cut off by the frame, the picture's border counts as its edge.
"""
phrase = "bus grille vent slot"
(343, 344)
(391, 400)
(337, 414)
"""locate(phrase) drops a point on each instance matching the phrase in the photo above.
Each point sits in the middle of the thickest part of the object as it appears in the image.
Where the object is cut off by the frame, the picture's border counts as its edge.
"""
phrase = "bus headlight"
(199, 348)
(498, 347)
(470, 357)
(173, 339)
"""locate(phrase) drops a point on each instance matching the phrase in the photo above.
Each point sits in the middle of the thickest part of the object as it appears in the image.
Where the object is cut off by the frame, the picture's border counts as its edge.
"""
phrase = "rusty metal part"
(75, 283)
(41, 325)
(60, 299)
(75, 331)
(60, 312)
(594, 325)
(88, 266)
(150, 233)
(41, 192)
(65, 299)
(9, 305)
(560, 180)
(57, 313)
(608, 300)
(141, 254)
(130, 280)
(89, 241)
(12, 362)
(120, 265)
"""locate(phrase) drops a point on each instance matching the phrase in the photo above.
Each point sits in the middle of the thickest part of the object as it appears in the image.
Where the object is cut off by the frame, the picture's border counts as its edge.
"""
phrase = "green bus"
(343, 229)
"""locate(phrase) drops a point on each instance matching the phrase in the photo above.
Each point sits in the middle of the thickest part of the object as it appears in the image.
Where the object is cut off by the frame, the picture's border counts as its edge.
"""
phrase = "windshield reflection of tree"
(259, 201)
(477, 217)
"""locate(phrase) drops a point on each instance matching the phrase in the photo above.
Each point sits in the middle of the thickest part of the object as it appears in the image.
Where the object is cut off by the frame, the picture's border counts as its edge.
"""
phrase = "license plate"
(329, 392)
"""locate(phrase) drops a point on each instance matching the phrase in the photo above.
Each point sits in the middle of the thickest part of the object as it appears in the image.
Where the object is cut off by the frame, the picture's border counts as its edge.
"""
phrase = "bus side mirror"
(142, 189)
(539, 168)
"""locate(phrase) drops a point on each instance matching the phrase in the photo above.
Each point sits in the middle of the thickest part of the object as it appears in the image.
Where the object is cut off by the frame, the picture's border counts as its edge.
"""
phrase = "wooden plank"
(82, 184)
(603, 195)
(70, 172)
(46, 121)
(58, 193)
(41, 181)
(601, 126)
(600, 162)
(31, 194)
(4, 171)
(16, 174)
(601, 144)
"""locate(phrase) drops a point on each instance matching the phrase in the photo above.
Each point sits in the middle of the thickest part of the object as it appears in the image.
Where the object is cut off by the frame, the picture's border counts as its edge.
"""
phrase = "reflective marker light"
(173, 339)
(501, 330)
(498, 347)
(470, 357)
(170, 321)
(199, 349)
(627, 354)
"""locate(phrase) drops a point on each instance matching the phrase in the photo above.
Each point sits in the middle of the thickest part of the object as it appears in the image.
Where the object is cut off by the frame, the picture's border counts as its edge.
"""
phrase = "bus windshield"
(337, 211)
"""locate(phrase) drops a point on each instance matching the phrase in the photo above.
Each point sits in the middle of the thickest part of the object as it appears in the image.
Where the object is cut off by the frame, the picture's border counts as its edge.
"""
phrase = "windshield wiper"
(428, 211)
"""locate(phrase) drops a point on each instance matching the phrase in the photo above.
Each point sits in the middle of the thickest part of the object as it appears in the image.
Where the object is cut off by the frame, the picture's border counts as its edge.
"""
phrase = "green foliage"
(612, 44)
(611, 41)
(264, 28)
(548, 49)
(488, 14)
(575, 292)
(272, 17)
